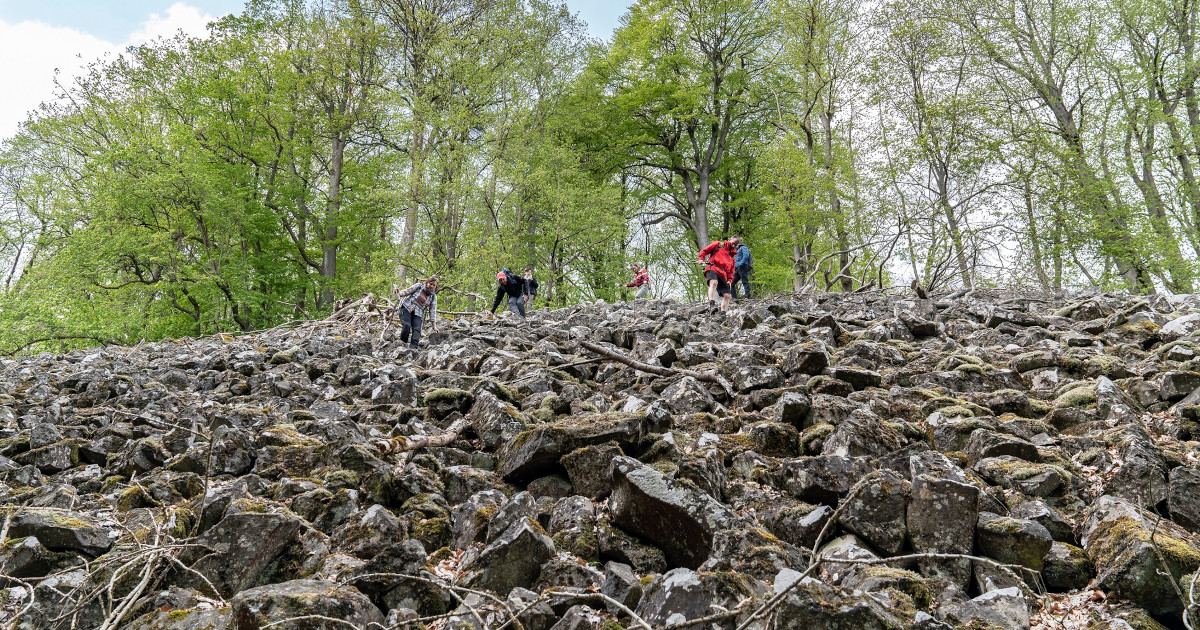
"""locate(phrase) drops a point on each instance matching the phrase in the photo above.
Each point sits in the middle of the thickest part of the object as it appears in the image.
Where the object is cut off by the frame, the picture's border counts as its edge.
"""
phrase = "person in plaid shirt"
(416, 302)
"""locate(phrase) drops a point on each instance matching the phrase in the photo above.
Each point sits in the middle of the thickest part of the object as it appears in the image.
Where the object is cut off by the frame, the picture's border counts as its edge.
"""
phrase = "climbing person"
(514, 288)
(641, 280)
(531, 285)
(743, 265)
(417, 302)
(717, 259)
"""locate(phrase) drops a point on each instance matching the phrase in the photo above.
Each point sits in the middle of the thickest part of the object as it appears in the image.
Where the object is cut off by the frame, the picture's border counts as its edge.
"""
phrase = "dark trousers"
(517, 305)
(741, 274)
(410, 322)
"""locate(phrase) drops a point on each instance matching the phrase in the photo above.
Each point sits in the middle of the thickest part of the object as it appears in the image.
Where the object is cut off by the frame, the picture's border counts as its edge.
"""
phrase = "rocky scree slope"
(988, 460)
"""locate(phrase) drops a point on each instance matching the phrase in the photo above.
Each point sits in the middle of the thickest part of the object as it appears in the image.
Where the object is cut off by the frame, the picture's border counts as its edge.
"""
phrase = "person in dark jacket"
(514, 288)
(531, 285)
(717, 259)
(743, 264)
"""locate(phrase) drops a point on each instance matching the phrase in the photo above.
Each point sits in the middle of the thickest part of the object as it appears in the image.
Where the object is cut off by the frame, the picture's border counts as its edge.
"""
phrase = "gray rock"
(791, 408)
(682, 594)
(823, 479)
(469, 519)
(984, 443)
(621, 584)
(687, 395)
(493, 420)
(1067, 568)
(941, 518)
(1184, 497)
(513, 560)
(809, 357)
(1012, 540)
(1004, 608)
(60, 530)
(244, 550)
(536, 452)
(878, 513)
(1117, 536)
(679, 520)
(817, 606)
(590, 469)
(257, 607)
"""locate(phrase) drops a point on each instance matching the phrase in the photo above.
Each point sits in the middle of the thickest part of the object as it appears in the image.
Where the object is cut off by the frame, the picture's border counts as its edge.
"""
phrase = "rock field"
(822, 462)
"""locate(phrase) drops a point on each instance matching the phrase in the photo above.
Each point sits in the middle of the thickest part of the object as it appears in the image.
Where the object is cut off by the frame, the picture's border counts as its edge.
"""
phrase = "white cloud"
(180, 16)
(32, 51)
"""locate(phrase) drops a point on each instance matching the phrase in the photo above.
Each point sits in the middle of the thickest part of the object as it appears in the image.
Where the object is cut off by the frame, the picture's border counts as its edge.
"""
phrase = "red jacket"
(641, 278)
(720, 259)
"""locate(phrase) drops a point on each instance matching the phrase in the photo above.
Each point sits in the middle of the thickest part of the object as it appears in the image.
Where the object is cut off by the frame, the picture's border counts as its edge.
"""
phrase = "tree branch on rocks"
(708, 377)
(404, 444)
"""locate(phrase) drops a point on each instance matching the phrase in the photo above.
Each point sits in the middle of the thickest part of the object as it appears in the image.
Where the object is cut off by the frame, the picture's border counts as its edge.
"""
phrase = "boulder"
(877, 513)
(1117, 536)
(512, 560)
(679, 520)
(323, 606)
(536, 452)
(63, 530)
(1012, 540)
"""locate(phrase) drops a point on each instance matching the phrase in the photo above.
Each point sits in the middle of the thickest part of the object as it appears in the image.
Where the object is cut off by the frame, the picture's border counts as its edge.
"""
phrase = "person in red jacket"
(641, 280)
(717, 259)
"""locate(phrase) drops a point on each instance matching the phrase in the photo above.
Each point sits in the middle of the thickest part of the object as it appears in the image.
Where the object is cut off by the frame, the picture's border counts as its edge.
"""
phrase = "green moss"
(665, 467)
(1081, 397)
(1039, 407)
(956, 411)
(342, 478)
(111, 483)
(447, 396)
(135, 497)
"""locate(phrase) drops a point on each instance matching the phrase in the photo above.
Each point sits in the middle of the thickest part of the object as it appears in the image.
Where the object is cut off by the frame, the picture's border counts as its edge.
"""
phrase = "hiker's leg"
(521, 306)
(724, 289)
(745, 278)
(405, 324)
(642, 292)
(712, 290)
(417, 323)
(735, 281)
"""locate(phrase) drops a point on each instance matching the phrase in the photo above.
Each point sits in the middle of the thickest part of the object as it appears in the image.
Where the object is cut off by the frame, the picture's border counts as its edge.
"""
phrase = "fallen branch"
(403, 444)
(708, 377)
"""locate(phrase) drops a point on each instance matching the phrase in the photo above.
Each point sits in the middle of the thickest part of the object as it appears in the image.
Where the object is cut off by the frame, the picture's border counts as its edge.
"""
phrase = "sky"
(38, 37)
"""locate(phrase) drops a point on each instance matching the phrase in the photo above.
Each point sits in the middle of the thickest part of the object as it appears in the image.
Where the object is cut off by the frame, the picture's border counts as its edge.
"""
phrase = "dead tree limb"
(708, 377)
(402, 444)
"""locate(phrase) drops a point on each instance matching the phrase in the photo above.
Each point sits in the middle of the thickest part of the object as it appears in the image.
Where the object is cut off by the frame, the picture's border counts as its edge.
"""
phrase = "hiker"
(641, 280)
(418, 300)
(530, 286)
(717, 259)
(743, 265)
(514, 287)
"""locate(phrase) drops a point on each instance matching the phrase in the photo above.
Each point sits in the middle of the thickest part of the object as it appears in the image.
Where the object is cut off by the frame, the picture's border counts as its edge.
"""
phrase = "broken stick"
(708, 377)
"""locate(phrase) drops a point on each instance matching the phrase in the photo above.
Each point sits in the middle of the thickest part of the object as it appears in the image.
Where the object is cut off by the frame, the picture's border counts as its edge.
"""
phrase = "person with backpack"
(416, 302)
(743, 265)
(717, 259)
(514, 288)
(641, 280)
(531, 285)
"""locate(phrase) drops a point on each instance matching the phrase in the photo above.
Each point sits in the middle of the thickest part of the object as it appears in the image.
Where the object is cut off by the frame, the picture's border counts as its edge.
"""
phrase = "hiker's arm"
(409, 291)
(707, 251)
(433, 312)
(499, 296)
